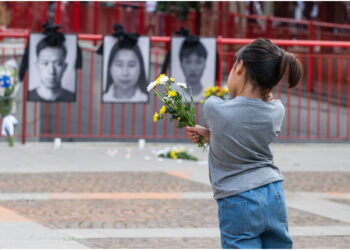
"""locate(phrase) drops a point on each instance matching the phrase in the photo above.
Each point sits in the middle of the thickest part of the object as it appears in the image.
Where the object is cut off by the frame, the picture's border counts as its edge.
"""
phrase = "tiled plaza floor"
(82, 204)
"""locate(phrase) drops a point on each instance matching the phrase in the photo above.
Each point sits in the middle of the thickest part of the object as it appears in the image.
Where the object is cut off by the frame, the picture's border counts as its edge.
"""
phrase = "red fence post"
(219, 42)
(24, 110)
(117, 7)
(220, 13)
(193, 19)
(29, 21)
(268, 30)
(76, 16)
(14, 14)
(58, 13)
(46, 7)
(168, 24)
(231, 25)
(311, 52)
(142, 19)
(95, 17)
(24, 104)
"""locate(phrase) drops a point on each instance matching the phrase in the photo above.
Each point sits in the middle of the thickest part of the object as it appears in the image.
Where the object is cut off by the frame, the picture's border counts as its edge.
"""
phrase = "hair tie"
(189, 37)
(53, 37)
(125, 39)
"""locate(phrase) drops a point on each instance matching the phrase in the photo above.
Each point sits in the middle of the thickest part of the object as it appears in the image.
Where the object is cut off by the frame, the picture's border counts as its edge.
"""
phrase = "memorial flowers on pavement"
(176, 153)
(8, 89)
(175, 105)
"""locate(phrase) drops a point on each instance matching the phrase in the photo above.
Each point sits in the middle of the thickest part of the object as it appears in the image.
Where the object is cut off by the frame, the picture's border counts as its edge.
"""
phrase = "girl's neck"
(249, 91)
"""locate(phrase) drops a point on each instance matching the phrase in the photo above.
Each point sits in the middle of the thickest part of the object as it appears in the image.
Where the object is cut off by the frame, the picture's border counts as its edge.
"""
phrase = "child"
(247, 184)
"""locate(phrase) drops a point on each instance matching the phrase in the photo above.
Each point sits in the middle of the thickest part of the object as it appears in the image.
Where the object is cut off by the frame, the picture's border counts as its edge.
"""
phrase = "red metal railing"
(97, 19)
(321, 112)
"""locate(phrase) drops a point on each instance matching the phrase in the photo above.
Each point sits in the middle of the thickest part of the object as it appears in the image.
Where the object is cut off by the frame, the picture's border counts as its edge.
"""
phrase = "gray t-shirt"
(241, 132)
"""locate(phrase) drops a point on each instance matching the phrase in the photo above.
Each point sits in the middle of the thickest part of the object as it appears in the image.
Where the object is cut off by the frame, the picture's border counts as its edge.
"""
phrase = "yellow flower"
(206, 94)
(162, 110)
(155, 117)
(173, 154)
(172, 79)
(179, 118)
(157, 80)
(172, 93)
(202, 101)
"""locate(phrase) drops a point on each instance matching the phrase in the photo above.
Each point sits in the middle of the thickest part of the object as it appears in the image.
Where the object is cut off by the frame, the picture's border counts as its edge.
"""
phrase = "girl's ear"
(240, 68)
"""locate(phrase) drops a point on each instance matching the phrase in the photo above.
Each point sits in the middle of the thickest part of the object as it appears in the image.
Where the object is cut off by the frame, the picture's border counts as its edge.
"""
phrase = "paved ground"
(114, 195)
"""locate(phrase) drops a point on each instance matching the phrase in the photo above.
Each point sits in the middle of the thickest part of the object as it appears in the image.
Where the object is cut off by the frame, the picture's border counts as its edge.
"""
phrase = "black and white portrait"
(52, 71)
(194, 64)
(125, 70)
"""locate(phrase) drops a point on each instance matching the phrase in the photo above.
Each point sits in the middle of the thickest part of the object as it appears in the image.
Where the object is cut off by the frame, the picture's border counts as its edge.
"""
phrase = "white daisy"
(151, 86)
(11, 64)
(163, 80)
(182, 85)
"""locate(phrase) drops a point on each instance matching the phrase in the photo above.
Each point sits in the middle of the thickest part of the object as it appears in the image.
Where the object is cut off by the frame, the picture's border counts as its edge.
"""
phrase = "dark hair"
(43, 44)
(190, 48)
(266, 64)
(141, 82)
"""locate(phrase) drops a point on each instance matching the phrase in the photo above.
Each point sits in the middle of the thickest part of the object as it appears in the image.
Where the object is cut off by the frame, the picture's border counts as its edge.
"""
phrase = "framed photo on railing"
(52, 72)
(194, 64)
(125, 72)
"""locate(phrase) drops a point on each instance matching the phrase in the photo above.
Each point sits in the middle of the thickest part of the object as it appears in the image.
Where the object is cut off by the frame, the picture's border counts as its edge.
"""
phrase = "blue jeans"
(255, 219)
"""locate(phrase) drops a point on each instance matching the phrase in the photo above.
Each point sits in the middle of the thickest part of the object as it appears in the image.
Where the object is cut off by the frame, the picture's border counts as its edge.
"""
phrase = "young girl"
(247, 184)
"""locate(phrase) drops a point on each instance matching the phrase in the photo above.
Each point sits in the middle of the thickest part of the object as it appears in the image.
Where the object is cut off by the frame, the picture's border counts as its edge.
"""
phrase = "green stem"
(10, 139)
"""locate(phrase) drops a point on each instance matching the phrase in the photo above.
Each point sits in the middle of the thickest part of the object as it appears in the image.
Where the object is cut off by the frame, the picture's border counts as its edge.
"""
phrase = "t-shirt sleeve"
(278, 116)
(209, 109)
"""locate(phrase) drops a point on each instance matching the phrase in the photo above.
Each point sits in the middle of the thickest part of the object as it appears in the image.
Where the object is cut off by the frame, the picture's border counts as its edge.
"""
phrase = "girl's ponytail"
(294, 68)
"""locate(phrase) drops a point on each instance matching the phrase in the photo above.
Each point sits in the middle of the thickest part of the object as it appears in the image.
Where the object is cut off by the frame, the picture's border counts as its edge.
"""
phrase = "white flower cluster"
(8, 76)
(182, 85)
(163, 80)
(151, 86)
(166, 150)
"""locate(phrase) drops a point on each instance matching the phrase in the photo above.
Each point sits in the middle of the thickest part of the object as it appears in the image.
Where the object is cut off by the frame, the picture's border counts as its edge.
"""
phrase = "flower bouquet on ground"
(176, 154)
(8, 89)
(216, 91)
(176, 106)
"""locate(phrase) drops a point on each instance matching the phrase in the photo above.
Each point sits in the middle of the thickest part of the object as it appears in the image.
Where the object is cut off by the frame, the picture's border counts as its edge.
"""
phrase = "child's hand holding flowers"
(178, 109)
(195, 132)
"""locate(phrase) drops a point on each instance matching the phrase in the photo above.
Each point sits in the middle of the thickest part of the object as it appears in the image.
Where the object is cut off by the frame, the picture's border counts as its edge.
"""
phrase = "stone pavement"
(114, 195)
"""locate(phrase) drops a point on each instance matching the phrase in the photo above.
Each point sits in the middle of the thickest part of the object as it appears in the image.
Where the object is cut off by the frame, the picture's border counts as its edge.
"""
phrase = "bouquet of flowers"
(176, 154)
(8, 89)
(216, 91)
(174, 105)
